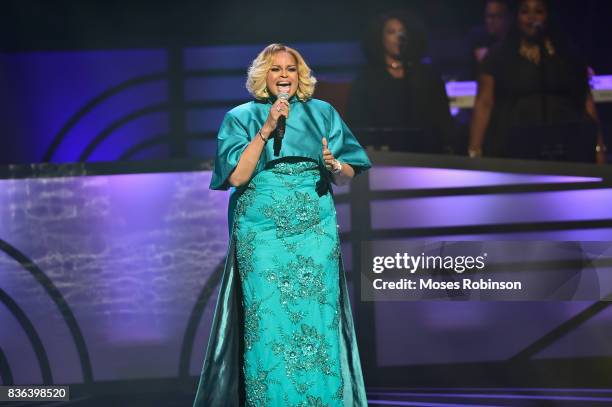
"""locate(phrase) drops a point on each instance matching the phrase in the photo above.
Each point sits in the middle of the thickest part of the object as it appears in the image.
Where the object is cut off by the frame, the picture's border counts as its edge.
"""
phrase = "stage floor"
(433, 397)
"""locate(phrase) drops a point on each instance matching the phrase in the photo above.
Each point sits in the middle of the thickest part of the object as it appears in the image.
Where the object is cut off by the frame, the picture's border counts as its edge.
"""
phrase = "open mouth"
(283, 86)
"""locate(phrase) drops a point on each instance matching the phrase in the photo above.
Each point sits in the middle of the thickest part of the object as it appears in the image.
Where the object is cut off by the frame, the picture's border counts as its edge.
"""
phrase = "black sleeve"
(473, 42)
(356, 110)
(492, 62)
(580, 77)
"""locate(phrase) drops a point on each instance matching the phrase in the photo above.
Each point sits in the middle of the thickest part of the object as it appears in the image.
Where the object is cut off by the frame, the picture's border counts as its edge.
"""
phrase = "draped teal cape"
(221, 383)
(308, 123)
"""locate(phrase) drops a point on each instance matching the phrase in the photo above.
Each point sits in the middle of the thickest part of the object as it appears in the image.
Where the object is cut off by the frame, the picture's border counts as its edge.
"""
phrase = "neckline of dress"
(292, 99)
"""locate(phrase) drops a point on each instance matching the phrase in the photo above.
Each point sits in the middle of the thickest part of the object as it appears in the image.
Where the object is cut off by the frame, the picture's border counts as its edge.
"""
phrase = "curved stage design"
(110, 270)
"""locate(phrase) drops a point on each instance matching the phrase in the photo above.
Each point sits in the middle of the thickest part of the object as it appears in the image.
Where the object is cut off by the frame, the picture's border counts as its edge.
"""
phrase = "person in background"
(533, 78)
(397, 88)
(496, 25)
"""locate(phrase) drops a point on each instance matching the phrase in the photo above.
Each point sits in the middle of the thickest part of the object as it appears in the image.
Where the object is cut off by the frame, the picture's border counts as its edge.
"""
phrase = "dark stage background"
(109, 80)
(111, 243)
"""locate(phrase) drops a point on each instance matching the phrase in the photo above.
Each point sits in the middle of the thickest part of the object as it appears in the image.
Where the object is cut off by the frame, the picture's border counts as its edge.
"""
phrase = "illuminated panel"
(392, 178)
(470, 210)
(595, 332)
(432, 332)
(130, 254)
(47, 89)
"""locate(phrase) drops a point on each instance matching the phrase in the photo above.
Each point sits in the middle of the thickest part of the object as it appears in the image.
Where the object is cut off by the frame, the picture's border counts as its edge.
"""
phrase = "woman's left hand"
(328, 157)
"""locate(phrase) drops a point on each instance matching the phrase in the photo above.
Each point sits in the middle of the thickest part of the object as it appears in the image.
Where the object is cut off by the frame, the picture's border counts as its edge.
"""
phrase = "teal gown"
(282, 333)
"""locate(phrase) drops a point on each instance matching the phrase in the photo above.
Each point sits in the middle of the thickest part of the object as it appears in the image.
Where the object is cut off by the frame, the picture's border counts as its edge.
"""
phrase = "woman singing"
(282, 333)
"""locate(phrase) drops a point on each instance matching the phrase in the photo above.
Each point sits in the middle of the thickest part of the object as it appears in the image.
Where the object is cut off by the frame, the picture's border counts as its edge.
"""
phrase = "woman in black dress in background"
(396, 88)
(531, 83)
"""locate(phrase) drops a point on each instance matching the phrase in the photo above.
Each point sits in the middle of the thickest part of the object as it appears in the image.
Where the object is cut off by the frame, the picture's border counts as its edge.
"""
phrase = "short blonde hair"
(256, 77)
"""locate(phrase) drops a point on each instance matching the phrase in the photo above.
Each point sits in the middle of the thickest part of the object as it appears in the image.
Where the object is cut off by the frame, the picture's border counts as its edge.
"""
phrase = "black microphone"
(540, 30)
(403, 42)
(280, 127)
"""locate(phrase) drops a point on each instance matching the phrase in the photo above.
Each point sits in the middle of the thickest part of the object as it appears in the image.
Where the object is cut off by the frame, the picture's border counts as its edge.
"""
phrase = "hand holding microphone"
(280, 128)
(280, 111)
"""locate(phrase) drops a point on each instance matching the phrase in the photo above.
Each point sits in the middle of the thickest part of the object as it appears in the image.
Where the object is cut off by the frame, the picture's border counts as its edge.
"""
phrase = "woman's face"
(283, 74)
(394, 36)
(532, 17)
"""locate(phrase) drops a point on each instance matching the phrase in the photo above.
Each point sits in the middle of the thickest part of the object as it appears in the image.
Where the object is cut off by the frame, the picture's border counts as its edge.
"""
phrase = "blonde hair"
(258, 71)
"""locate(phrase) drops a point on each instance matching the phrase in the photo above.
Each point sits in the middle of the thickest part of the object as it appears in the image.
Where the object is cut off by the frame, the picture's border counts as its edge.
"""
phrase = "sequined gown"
(282, 334)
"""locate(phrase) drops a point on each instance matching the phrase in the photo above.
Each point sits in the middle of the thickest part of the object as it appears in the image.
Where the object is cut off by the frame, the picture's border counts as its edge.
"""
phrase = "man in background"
(482, 38)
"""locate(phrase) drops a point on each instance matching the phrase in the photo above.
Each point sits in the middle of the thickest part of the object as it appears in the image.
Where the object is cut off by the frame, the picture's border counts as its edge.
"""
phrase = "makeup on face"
(283, 74)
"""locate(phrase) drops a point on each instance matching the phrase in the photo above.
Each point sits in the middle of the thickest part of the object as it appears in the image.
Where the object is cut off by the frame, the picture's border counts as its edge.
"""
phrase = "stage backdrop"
(114, 277)
(104, 105)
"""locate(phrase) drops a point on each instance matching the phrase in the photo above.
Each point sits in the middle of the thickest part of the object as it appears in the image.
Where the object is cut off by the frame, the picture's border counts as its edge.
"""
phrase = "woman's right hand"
(278, 109)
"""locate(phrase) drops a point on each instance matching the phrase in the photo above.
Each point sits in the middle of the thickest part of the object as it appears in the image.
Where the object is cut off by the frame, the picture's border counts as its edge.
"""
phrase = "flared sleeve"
(344, 146)
(231, 142)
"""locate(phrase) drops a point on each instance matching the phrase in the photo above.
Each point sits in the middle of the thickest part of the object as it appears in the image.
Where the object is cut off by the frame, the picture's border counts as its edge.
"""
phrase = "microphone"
(540, 30)
(540, 37)
(280, 127)
(403, 41)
